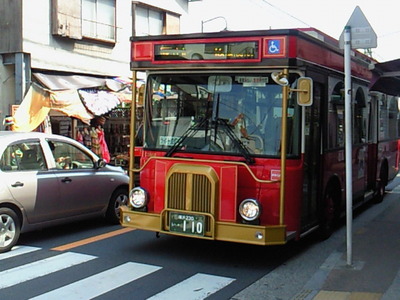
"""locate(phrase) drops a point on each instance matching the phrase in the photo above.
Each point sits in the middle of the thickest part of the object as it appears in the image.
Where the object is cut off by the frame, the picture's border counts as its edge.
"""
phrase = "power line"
(286, 13)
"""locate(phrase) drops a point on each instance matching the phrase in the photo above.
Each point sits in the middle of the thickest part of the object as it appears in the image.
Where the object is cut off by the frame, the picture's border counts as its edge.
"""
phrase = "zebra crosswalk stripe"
(18, 250)
(41, 268)
(100, 283)
(196, 287)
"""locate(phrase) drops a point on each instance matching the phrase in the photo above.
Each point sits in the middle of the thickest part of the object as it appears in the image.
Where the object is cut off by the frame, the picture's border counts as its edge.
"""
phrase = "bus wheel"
(380, 187)
(329, 218)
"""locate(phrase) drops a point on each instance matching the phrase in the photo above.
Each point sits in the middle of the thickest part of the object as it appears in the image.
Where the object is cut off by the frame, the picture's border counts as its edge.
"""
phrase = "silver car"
(49, 179)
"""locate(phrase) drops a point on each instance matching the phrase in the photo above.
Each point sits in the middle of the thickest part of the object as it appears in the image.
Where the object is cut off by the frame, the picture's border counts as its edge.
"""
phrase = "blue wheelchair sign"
(274, 46)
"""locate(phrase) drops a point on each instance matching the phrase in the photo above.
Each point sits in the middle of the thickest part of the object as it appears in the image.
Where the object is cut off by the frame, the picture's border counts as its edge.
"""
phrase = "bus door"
(373, 105)
(360, 145)
(312, 157)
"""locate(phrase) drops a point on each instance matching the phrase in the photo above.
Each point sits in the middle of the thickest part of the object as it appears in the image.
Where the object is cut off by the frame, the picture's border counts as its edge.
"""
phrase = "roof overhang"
(386, 77)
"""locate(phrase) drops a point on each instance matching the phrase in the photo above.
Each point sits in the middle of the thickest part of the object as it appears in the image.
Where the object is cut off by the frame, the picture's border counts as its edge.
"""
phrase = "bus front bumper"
(222, 231)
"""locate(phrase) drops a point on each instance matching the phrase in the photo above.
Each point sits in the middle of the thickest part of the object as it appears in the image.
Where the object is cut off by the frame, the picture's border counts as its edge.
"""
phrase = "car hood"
(115, 169)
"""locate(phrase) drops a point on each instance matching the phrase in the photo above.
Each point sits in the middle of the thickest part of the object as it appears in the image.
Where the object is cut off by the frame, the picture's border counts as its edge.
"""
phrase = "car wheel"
(10, 229)
(118, 199)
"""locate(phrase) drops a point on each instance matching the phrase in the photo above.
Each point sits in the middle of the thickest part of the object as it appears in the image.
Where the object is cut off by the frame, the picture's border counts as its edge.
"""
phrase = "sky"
(329, 17)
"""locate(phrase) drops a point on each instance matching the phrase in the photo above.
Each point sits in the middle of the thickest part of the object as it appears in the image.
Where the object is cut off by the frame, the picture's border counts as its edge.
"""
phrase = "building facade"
(73, 45)
(74, 37)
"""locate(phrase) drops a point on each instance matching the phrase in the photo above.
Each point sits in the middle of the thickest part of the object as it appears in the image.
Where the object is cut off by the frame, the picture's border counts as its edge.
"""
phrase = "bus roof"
(227, 49)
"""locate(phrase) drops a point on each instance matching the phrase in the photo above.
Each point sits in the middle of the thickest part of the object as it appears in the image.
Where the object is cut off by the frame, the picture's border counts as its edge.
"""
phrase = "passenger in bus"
(262, 118)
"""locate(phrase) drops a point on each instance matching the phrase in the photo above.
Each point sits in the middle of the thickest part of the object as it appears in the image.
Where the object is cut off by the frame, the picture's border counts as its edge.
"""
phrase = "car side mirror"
(101, 163)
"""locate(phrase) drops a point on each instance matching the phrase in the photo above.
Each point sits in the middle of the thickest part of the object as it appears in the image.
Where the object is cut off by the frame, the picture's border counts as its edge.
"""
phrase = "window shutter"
(66, 18)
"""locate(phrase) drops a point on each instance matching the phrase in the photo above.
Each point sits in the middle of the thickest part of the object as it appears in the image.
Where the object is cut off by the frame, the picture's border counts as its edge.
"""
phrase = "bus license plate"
(186, 223)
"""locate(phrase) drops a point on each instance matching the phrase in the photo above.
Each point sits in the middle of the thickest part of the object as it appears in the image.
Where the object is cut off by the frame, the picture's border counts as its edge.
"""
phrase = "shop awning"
(99, 102)
(386, 78)
(57, 82)
(38, 102)
(99, 95)
(33, 110)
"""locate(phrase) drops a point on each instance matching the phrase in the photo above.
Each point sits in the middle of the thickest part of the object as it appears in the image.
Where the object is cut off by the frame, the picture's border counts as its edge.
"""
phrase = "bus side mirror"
(140, 95)
(304, 91)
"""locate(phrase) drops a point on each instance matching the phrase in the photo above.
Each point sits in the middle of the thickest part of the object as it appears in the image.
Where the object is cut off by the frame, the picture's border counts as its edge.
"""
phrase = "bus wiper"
(238, 143)
(190, 132)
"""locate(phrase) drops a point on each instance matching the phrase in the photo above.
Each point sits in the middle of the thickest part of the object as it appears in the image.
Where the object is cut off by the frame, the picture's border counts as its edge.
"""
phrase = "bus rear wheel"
(381, 186)
(329, 215)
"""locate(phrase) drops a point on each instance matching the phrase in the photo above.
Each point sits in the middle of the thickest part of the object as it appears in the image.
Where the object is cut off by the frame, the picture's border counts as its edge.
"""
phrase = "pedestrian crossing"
(100, 283)
(41, 268)
(18, 250)
(196, 287)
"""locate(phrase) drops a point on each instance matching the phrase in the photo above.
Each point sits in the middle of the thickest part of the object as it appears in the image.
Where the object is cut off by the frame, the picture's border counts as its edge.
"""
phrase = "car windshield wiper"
(238, 143)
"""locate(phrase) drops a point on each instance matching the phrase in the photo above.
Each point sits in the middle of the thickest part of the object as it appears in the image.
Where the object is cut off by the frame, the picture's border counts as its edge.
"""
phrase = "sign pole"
(348, 139)
(357, 34)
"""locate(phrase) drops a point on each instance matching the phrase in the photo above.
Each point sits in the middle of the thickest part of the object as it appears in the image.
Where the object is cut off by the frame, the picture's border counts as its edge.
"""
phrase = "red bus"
(236, 149)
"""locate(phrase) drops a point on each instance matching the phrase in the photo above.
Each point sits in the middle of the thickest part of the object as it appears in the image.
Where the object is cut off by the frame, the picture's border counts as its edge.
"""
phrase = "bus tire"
(381, 186)
(10, 229)
(330, 212)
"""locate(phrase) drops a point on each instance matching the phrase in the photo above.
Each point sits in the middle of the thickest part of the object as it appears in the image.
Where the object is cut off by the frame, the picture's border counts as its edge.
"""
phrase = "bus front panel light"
(249, 209)
(138, 197)
(259, 235)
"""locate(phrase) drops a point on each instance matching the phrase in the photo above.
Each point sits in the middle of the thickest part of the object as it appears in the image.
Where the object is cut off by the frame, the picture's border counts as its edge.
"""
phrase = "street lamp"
(212, 19)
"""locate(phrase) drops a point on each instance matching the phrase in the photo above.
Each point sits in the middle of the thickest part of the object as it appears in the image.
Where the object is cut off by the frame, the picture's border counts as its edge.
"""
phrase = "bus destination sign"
(230, 50)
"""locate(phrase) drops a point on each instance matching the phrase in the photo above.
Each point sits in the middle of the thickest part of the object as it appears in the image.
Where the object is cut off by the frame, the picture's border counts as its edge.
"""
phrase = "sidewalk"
(321, 271)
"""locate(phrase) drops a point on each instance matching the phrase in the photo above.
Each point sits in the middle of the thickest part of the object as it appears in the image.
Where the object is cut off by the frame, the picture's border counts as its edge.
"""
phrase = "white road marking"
(18, 250)
(197, 287)
(42, 267)
(100, 283)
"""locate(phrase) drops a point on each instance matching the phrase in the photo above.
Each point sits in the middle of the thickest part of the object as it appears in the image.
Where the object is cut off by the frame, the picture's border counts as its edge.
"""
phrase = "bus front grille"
(189, 192)
(192, 188)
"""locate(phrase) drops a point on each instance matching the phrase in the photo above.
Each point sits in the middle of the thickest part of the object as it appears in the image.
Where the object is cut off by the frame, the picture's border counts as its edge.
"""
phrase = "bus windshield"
(238, 114)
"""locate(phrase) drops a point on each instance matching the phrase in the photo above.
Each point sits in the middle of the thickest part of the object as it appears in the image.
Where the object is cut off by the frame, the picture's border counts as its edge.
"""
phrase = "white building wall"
(79, 56)
(48, 52)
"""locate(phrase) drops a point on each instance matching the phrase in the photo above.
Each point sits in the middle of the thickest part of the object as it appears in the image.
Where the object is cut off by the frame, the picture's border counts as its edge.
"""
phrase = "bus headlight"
(138, 197)
(249, 209)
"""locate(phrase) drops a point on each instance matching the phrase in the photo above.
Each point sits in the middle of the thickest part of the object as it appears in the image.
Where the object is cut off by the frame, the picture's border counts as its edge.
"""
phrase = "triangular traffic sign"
(362, 34)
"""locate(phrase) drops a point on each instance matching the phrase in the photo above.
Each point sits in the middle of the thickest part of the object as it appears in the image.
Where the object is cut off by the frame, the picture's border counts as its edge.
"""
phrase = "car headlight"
(249, 209)
(138, 197)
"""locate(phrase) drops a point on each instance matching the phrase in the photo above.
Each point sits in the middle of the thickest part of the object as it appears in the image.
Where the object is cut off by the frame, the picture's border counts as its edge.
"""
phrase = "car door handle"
(17, 184)
(66, 180)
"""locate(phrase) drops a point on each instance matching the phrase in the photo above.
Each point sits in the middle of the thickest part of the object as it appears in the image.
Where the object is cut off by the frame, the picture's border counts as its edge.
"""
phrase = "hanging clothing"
(105, 154)
(79, 137)
(95, 141)
(87, 139)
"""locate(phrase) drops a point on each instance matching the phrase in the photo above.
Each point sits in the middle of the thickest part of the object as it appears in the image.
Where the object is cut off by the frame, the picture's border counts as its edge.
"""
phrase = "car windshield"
(237, 114)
